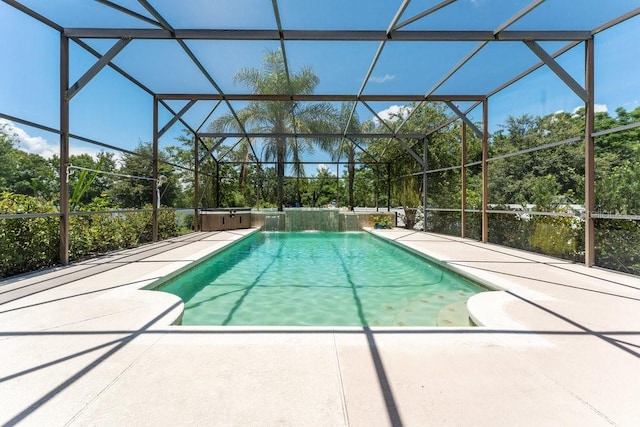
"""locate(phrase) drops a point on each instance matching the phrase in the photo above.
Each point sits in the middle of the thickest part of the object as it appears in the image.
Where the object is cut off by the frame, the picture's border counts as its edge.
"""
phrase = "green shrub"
(32, 243)
(27, 243)
(186, 223)
(618, 244)
(558, 236)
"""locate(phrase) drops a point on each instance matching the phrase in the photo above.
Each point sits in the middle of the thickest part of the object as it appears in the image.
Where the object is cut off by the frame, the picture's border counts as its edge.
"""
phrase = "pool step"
(455, 314)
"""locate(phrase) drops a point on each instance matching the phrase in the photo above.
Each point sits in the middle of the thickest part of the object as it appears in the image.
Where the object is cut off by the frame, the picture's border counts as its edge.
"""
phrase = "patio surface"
(82, 345)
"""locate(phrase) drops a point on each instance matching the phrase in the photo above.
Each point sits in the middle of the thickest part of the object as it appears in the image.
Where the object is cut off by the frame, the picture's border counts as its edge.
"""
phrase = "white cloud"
(39, 145)
(28, 143)
(383, 79)
(322, 168)
(393, 113)
(599, 108)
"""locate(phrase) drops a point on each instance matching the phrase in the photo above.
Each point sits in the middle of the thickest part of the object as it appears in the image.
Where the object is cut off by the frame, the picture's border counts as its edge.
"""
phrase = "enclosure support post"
(64, 150)
(388, 187)
(217, 183)
(424, 184)
(154, 214)
(258, 185)
(196, 183)
(337, 184)
(485, 170)
(377, 188)
(463, 183)
(589, 156)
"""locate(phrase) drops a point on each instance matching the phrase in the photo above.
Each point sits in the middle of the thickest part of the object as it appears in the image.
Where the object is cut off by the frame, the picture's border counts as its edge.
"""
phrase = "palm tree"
(347, 147)
(280, 117)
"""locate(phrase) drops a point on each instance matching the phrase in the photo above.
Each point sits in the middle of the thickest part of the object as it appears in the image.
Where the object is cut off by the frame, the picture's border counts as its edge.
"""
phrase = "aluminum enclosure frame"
(394, 33)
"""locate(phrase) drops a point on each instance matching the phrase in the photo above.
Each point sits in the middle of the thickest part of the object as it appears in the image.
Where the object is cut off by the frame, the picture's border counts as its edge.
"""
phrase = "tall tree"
(24, 173)
(347, 148)
(443, 151)
(136, 192)
(279, 117)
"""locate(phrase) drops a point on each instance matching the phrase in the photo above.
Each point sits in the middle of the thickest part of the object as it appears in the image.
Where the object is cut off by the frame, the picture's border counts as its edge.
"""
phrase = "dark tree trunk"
(352, 170)
(280, 166)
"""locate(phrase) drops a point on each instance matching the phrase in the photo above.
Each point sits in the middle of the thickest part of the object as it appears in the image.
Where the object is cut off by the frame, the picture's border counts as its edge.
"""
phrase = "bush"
(32, 243)
(511, 230)
(557, 236)
(561, 237)
(140, 228)
(27, 243)
(618, 244)
(444, 222)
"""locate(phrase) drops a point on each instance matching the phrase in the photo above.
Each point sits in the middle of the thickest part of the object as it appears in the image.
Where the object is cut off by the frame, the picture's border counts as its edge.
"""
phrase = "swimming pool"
(318, 279)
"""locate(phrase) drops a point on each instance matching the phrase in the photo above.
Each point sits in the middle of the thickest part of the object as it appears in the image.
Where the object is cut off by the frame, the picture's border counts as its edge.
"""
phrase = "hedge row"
(28, 244)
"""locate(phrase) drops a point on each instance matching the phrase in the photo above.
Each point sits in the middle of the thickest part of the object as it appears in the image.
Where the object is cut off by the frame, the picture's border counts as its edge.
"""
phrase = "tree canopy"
(279, 117)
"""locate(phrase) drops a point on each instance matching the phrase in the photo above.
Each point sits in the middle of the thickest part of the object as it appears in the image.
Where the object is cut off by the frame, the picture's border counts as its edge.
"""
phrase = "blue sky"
(112, 110)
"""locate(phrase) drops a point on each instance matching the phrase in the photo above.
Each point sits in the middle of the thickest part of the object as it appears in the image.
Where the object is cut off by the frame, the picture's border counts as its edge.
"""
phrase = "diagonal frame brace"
(230, 149)
(210, 150)
(353, 141)
(177, 117)
(464, 118)
(394, 136)
(557, 68)
(410, 151)
(95, 69)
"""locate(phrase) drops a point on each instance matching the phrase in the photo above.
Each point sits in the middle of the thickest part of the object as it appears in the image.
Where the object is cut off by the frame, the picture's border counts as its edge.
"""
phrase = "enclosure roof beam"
(211, 80)
(319, 97)
(144, 88)
(614, 22)
(283, 52)
(533, 68)
(381, 46)
(421, 15)
(328, 35)
(443, 80)
(163, 22)
(135, 82)
(517, 16)
(35, 15)
(129, 12)
(557, 68)
(29, 123)
(331, 162)
(309, 135)
(498, 33)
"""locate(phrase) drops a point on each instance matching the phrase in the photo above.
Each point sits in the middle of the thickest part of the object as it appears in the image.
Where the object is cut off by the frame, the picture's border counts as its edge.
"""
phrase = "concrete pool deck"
(82, 345)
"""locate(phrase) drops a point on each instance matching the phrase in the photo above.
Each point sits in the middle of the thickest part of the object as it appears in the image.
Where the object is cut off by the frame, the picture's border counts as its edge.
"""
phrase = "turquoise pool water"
(317, 279)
